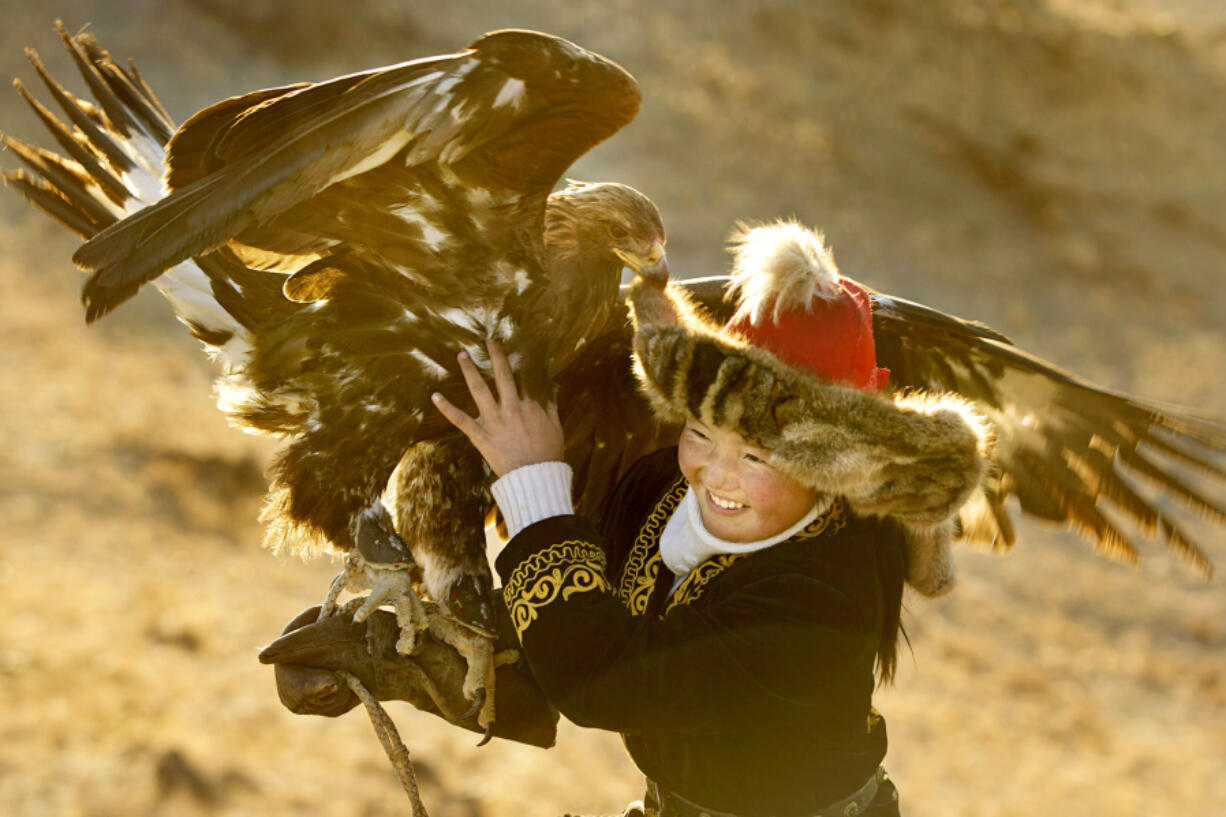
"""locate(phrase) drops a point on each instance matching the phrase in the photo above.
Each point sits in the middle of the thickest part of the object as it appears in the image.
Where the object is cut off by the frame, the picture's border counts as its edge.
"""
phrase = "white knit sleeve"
(532, 493)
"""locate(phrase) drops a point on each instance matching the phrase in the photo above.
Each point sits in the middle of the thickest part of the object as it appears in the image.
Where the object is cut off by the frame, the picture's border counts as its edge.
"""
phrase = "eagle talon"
(477, 648)
(478, 704)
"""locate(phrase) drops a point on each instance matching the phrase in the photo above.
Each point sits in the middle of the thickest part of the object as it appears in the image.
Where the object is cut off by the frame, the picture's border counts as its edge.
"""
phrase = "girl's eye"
(698, 435)
(755, 459)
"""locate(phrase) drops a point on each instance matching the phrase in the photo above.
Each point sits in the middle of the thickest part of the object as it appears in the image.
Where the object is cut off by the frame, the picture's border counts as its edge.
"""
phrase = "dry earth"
(1056, 169)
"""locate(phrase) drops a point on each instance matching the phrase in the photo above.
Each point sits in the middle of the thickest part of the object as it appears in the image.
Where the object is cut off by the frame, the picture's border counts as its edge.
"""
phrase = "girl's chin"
(729, 533)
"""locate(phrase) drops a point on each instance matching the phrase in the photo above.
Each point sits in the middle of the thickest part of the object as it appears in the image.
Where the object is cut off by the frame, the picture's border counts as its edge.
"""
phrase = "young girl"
(726, 610)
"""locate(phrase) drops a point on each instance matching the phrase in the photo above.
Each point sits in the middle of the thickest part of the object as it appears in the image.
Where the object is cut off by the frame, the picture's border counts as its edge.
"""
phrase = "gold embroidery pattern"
(827, 523)
(639, 575)
(644, 583)
(570, 567)
(832, 521)
(700, 577)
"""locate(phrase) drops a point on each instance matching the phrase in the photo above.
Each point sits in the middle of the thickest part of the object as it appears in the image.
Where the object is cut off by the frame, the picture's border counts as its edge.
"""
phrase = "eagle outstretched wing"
(1105, 463)
(506, 116)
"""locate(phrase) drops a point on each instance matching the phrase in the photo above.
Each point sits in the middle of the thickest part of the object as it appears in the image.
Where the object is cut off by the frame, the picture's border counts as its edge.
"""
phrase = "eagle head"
(607, 225)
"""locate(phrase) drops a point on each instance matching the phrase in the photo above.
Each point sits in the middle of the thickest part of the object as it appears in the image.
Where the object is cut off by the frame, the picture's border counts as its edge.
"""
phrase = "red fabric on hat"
(831, 338)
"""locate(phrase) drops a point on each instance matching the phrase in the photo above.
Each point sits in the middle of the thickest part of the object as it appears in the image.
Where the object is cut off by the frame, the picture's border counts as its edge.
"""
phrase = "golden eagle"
(334, 244)
(349, 237)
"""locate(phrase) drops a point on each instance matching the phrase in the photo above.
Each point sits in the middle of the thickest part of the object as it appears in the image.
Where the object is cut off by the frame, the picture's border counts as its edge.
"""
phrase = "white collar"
(685, 542)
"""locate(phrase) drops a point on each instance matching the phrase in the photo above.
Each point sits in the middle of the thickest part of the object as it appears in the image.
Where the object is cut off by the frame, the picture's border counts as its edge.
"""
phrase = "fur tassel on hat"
(914, 457)
(777, 267)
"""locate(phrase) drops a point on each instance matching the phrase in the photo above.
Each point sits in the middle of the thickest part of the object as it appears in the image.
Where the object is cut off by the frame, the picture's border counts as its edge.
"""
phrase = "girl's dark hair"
(891, 568)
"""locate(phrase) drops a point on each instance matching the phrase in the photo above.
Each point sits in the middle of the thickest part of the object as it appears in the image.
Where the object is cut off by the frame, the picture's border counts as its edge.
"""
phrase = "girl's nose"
(721, 472)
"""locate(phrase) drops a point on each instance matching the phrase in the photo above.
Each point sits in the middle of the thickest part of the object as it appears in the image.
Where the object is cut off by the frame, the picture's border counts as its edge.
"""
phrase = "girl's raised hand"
(510, 431)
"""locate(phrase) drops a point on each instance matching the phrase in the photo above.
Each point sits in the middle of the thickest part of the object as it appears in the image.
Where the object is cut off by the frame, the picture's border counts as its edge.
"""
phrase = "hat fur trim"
(930, 559)
(915, 457)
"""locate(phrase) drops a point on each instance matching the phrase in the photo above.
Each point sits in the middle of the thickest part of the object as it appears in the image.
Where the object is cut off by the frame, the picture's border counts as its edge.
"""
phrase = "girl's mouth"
(725, 505)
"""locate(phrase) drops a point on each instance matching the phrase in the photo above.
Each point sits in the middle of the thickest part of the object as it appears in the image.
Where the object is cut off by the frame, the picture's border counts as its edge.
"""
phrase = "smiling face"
(741, 497)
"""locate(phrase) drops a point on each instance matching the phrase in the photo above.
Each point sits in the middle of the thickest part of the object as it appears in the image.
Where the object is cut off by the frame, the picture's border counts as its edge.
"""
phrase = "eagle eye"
(619, 232)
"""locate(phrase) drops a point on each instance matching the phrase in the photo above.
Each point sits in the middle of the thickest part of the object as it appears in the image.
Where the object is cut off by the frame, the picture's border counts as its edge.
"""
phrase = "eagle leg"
(477, 648)
(342, 581)
(381, 562)
(393, 586)
(387, 585)
(438, 496)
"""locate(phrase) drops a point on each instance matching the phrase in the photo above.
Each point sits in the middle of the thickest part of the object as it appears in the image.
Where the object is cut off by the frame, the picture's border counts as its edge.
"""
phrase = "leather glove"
(308, 652)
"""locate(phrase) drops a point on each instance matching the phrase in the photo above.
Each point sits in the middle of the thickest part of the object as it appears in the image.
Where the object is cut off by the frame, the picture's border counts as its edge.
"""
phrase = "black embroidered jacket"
(749, 690)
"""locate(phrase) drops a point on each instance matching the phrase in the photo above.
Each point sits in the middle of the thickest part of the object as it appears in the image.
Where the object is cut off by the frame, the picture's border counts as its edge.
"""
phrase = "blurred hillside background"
(1055, 168)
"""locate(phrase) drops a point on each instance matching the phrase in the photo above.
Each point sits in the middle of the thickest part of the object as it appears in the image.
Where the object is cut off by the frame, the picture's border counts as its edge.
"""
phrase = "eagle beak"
(652, 266)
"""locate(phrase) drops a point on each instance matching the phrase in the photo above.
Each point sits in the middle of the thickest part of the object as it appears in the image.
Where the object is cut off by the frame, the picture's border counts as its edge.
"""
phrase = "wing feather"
(247, 165)
(89, 161)
(190, 151)
(1068, 450)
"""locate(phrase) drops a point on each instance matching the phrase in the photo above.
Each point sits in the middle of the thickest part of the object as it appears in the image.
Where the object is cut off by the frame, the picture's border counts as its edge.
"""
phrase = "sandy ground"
(1056, 169)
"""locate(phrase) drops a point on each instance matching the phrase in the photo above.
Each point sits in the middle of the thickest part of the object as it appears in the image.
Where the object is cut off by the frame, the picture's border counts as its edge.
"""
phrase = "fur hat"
(915, 457)
(794, 303)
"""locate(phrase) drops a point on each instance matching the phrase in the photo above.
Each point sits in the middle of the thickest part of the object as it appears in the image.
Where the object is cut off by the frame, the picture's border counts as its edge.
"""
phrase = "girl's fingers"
(504, 378)
(476, 386)
(457, 417)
